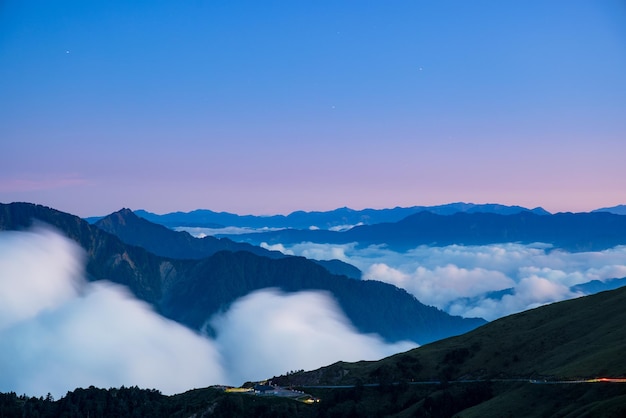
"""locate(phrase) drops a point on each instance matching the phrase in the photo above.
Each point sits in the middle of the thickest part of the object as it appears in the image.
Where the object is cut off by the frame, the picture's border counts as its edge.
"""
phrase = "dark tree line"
(133, 402)
(92, 402)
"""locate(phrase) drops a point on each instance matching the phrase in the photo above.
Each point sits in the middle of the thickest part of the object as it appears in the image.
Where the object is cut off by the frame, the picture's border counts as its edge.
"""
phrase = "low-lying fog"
(462, 279)
(59, 332)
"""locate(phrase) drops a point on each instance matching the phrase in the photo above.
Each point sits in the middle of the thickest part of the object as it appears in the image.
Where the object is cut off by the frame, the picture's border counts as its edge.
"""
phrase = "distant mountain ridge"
(191, 291)
(617, 210)
(165, 242)
(569, 231)
(324, 220)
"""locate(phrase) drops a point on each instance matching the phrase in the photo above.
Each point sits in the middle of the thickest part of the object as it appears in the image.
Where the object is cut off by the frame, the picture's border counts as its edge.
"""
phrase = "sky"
(268, 107)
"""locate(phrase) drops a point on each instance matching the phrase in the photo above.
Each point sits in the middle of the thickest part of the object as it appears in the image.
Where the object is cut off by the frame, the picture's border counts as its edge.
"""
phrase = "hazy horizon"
(271, 107)
(95, 215)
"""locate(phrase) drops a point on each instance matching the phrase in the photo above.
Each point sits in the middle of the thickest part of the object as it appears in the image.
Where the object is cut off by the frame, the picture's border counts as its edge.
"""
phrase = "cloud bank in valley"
(59, 332)
(462, 279)
(269, 330)
(62, 332)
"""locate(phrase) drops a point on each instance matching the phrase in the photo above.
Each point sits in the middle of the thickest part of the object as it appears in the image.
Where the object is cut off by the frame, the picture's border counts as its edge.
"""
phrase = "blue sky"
(271, 106)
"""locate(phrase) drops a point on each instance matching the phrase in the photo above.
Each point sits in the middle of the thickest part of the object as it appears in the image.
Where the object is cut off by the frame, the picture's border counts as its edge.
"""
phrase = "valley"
(567, 349)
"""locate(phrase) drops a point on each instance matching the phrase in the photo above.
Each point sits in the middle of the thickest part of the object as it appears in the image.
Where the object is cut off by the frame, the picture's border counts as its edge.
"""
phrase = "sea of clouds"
(488, 281)
(59, 332)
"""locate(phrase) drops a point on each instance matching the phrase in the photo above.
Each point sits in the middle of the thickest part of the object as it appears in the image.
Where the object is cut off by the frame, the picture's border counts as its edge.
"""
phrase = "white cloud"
(59, 332)
(458, 278)
(104, 338)
(320, 251)
(529, 293)
(340, 228)
(276, 247)
(200, 232)
(268, 333)
(72, 333)
(441, 285)
(606, 272)
(28, 287)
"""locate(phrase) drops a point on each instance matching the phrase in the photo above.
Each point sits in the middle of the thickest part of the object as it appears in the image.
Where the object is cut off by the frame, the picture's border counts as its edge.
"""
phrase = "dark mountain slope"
(499, 369)
(180, 288)
(570, 231)
(372, 306)
(578, 338)
(581, 231)
(165, 242)
(108, 258)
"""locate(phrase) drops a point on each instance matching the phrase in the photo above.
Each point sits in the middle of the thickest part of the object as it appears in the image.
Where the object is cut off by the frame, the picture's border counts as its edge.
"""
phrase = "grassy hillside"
(488, 371)
(579, 338)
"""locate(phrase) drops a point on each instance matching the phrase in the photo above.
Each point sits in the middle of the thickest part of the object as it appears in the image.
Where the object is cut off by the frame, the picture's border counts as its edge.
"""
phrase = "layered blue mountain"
(190, 291)
(596, 286)
(165, 242)
(324, 220)
(618, 210)
(569, 231)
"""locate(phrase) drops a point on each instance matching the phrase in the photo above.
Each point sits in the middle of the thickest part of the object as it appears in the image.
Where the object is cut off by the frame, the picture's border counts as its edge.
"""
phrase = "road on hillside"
(437, 382)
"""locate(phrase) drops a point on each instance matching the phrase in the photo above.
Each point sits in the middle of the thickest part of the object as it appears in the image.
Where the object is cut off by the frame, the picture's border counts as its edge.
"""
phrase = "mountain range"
(583, 231)
(165, 242)
(338, 218)
(190, 290)
(569, 231)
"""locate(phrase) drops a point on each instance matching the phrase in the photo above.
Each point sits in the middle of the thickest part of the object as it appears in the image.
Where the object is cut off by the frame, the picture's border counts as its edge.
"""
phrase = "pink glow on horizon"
(254, 109)
(23, 185)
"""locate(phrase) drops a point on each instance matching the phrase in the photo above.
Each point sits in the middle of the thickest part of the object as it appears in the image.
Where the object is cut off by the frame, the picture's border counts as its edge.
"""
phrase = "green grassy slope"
(473, 374)
(580, 338)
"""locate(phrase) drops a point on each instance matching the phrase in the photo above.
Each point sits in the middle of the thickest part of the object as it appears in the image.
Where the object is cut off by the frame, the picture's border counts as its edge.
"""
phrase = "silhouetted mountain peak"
(126, 212)
(129, 221)
(122, 217)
